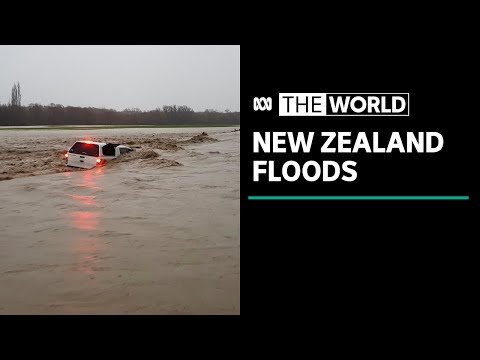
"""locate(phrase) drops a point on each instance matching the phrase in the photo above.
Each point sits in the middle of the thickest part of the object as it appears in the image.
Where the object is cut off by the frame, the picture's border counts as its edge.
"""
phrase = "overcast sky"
(120, 77)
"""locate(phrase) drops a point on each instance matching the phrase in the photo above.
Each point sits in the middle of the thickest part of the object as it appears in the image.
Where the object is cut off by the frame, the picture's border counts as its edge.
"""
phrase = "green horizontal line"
(358, 198)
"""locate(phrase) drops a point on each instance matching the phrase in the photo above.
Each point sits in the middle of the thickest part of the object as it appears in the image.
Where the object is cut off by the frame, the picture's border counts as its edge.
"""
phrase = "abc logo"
(262, 104)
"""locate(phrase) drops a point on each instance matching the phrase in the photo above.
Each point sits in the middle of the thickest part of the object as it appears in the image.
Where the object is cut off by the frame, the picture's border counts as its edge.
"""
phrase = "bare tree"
(19, 94)
(184, 109)
(16, 97)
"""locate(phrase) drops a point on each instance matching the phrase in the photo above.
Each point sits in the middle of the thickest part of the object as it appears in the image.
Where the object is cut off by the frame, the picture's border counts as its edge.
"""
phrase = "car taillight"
(66, 155)
(100, 161)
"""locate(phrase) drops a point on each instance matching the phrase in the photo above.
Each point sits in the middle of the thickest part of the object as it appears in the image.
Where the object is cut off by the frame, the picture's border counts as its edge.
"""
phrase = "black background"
(400, 261)
(337, 265)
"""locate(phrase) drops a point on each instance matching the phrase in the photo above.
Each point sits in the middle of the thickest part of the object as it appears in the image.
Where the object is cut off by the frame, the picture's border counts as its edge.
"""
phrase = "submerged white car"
(88, 154)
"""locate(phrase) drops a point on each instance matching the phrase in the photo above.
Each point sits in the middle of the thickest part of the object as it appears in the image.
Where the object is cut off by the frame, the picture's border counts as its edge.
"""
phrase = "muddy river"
(155, 231)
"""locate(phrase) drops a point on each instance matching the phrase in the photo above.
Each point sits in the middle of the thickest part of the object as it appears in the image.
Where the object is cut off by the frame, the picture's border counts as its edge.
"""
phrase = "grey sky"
(119, 77)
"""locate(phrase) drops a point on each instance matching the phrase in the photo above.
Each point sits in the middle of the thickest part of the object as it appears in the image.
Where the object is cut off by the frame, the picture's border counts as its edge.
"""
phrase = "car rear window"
(84, 149)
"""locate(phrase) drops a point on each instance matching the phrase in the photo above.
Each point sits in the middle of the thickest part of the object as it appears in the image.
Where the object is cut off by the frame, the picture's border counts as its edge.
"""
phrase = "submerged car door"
(83, 155)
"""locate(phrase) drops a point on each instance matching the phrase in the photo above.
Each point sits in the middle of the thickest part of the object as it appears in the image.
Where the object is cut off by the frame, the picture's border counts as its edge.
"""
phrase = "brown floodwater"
(153, 232)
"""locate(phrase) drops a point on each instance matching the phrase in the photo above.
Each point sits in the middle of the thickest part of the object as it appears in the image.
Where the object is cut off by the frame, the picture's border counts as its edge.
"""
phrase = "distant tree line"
(54, 114)
(14, 114)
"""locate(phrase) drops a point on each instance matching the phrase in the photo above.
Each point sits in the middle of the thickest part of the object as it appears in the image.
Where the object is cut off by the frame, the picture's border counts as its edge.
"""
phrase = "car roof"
(102, 143)
(91, 142)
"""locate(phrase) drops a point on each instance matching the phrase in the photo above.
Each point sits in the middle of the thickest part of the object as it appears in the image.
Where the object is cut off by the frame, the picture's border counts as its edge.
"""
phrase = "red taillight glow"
(99, 160)
(66, 155)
